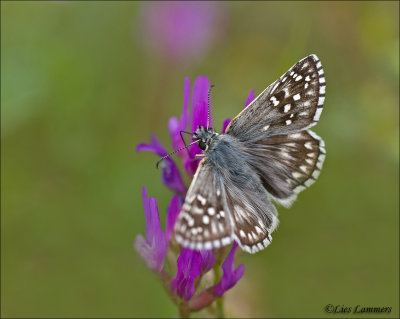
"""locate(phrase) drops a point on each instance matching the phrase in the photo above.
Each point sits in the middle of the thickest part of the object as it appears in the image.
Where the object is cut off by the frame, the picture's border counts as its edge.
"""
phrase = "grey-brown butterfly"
(268, 153)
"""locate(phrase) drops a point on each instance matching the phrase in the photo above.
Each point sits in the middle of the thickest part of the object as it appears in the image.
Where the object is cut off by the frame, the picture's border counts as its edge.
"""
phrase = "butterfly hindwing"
(253, 215)
(287, 164)
(292, 103)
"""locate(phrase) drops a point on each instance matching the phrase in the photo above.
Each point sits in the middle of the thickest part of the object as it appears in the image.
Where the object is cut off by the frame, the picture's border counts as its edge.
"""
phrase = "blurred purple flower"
(171, 176)
(191, 264)
(231, 275)
(154, 247)
(181, 30)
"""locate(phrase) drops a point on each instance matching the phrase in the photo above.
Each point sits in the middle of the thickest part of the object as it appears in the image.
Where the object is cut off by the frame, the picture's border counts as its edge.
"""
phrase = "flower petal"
(200, 99)
(207, 260)
(249, 99)
(154, 247)
(189, 268)
(225, 124)
(171, 176)
(173, 212)
(231, 275)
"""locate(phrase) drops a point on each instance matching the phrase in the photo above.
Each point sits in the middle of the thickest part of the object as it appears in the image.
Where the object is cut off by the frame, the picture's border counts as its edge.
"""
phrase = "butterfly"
(267, 153)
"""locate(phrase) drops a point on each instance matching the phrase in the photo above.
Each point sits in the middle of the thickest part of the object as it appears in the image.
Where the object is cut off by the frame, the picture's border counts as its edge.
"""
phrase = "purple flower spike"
(231, 275)
(199, 117)
(250, 98)
(154, 247)
(173, 211)
(189, 268)
(171, 176)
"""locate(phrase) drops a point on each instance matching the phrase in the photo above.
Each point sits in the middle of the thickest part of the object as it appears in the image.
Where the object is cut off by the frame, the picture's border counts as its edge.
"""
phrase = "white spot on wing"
(206, 219)
(321, 100)
(317, 114)
(286, 108)
(298, 78)
(211, 211)
(201, 199)
(309, 182)
(297, 175)
(197, 210)
(296, 97)
(274, 100)
(265, 128)
(304, 168)
(288, 122)
(308, 145)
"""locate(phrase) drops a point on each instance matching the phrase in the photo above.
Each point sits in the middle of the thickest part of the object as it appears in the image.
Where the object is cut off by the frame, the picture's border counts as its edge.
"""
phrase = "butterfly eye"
(202, 145)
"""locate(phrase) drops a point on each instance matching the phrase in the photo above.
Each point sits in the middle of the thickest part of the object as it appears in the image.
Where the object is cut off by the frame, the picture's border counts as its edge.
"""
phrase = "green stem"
(220, 300)
(184, 311)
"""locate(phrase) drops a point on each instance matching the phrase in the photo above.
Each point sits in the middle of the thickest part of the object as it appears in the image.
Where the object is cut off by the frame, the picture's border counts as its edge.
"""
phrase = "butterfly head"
(204, 136)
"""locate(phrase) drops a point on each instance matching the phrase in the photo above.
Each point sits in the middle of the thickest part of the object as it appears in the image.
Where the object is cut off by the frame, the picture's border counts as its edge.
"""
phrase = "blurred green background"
(80, 87)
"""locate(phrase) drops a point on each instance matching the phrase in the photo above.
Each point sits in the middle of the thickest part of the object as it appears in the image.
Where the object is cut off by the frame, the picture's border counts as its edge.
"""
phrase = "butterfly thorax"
(205, 136)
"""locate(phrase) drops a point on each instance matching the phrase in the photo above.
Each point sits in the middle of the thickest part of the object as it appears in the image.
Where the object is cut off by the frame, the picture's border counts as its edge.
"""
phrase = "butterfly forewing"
(203, 222)
(294, 102)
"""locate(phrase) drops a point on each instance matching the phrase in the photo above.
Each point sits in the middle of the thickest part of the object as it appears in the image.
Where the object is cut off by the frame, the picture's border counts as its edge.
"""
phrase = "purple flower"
(197, 115)
(225, 124)
(173, 211)
(249, 99)
(191, 264)
(180, 30)
(154, 247)
(171, 176)
(231, 275)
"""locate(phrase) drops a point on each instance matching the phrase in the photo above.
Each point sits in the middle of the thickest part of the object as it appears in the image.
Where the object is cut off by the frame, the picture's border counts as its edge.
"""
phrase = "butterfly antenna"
(209, 105)
(176, 151)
